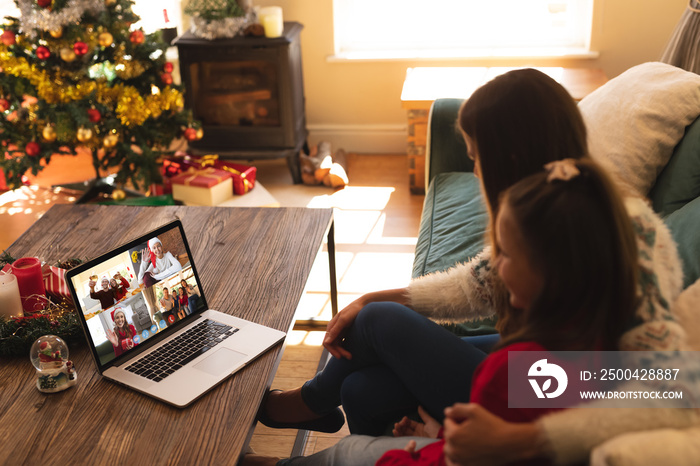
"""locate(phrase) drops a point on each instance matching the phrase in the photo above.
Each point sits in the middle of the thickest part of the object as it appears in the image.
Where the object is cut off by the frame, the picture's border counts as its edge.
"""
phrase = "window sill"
(449, 55)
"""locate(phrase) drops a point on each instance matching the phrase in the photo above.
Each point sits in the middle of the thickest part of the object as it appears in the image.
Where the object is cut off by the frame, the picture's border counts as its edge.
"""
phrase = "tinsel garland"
(58, 318)
(34, 18)
(220, 28)
(130, 107)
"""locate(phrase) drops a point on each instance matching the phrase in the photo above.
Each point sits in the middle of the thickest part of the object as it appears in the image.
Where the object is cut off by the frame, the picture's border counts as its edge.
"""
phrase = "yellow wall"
(359, 94)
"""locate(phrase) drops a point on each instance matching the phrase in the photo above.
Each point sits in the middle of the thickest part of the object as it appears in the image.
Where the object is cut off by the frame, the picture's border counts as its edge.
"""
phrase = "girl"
(192, 297)
(119, 286)
(182, 299)
(122, 336)
(565, 250)
(512, 125)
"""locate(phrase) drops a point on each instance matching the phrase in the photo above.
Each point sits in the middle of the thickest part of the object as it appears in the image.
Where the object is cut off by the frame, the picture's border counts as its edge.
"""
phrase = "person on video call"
(192, 297)
(105, 296)
(122, 336)
(163, 265)
(119, 286)
(167, 302)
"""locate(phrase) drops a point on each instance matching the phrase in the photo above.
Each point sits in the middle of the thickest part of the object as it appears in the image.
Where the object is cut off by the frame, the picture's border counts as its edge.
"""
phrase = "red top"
(183, 300)
(124, 340)
(490, 390)
(120, 290)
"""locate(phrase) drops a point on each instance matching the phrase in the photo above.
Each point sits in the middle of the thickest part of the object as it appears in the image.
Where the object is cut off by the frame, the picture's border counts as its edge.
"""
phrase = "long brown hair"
(582, 240)
(127, 329)
(519, 121)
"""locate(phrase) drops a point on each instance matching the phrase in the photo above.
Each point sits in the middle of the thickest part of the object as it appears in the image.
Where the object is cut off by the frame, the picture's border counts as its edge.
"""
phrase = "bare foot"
(288, 406)
(251, 459)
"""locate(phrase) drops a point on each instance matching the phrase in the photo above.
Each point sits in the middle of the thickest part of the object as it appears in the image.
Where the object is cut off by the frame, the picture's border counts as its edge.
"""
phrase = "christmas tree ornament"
(66, 54)
(168, 67)
(136, 37)
(32, 149)
(190, 134)
(199, 134)
(48, 133)
(167, 78)
(110, 141)
(42, 53)
(4, 105)
(84, 134)
(8, 38)
(56, 33)
(43, 3)
(105, 39)
(110, 2)
(218, 19)
(118, 194)
(54, 371)
(80, 48)
(94, 115)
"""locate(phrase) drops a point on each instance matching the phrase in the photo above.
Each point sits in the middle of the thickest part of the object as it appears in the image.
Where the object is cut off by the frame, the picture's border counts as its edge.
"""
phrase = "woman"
(192, 296)
(119, 286)
(182, 303)
(158, 267)
(123, 333)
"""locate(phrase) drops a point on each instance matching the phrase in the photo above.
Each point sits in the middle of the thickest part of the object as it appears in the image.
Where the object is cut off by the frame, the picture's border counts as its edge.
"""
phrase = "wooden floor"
(376, 221)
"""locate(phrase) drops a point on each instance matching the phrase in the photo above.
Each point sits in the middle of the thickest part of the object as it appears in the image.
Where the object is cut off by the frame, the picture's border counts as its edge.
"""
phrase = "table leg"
(331, 264)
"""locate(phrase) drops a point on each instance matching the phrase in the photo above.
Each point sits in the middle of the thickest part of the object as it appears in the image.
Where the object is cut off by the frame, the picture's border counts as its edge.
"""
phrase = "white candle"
(271, 19)
(10, 303)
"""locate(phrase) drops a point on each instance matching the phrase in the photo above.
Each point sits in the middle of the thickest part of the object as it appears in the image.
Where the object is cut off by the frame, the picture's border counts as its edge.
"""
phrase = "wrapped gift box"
(203, 186)
(243, 176)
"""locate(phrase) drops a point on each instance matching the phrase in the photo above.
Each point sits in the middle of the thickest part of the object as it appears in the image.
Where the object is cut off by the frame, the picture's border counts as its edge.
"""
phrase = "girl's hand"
(410, 447)
(145, 255)
(409, 428)
(112, 337)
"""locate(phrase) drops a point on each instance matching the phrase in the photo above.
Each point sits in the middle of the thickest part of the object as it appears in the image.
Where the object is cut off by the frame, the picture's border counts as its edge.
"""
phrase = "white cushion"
(636, 119)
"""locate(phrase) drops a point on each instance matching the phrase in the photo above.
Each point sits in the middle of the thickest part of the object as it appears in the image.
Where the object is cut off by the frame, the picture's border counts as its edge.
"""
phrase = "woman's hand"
(475, 436)
(145, 255)
(339, 324)
(112, 337)
(409, 428)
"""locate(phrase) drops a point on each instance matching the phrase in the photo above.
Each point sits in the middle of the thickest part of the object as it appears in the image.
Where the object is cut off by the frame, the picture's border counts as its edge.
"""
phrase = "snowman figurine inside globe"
(55, 372)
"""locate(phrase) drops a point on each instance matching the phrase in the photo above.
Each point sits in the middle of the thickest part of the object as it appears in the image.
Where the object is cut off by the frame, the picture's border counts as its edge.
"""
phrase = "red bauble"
(43, 3)
(190, 134)
(4, 105)
(136, 37)
(80, 48)
(94, 115)
(168, 67)
(32, 149)
(8, 38)
(42, 53)
(167, 78)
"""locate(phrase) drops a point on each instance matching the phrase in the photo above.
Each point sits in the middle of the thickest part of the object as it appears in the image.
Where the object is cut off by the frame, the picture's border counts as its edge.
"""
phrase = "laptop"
(147, 323)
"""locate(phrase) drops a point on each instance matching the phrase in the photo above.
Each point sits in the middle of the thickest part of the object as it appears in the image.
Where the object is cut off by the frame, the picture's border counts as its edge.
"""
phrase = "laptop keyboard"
(181, 350)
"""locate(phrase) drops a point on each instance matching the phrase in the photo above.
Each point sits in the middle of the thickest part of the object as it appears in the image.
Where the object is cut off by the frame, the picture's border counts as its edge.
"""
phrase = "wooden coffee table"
(253, 262)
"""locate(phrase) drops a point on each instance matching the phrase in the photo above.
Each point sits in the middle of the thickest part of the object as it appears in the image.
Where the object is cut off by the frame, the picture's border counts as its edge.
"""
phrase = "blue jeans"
(400, 360)
(360, 450)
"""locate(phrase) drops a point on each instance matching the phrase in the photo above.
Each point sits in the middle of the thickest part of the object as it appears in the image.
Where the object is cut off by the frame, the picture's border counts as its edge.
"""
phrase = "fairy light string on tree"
(78, 74)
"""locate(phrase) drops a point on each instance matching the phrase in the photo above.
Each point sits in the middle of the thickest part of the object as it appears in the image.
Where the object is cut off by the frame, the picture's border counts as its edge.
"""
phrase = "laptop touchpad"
(222, 361)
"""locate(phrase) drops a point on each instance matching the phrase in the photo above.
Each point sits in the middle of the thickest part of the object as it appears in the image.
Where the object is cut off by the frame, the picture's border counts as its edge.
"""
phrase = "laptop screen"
(137, 291)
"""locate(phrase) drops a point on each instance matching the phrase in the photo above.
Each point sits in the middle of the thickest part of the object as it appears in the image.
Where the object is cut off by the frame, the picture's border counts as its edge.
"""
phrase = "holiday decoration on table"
(203, 186)
(58, 316)
(77, 74)
(54, 371)
(31, 283)
(217, 19)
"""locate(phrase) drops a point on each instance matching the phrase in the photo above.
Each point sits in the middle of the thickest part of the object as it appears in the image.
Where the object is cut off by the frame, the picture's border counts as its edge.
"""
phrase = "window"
(461, 28)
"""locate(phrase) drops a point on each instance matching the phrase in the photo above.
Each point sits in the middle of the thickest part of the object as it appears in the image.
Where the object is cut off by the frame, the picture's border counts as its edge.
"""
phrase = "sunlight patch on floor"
(355, 198)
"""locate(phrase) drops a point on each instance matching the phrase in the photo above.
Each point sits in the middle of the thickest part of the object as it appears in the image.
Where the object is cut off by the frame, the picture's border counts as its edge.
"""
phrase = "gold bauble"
(110, 141)
(105, 39)
(56, 33)
(67, 55)
(110, 2)
(84, 134)
(118, 194)
(199, 134)
(49, 134)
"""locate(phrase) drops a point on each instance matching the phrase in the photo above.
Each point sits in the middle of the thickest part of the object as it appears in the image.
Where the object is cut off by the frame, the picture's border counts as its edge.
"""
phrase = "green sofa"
(454, 218)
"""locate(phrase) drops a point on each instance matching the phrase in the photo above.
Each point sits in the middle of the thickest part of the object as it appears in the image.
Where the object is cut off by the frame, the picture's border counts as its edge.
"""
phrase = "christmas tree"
(75, 76)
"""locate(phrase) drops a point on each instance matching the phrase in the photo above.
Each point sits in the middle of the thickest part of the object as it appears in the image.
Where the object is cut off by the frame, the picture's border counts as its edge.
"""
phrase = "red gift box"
(201, 177)
(243, 176)
(202, 186)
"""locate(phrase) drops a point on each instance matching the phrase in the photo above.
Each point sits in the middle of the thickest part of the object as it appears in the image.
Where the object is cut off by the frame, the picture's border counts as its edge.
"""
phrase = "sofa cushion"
(679, 182)
(684, 224)
(453, 223)
(636, 119)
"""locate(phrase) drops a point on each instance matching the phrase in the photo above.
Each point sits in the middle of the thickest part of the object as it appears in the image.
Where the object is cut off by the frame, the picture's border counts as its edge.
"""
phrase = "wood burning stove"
(248, 92)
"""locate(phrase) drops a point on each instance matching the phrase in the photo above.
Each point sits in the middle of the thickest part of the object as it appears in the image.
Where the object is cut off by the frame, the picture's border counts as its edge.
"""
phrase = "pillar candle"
(271, 20)
(10, 302)
(31, 283)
